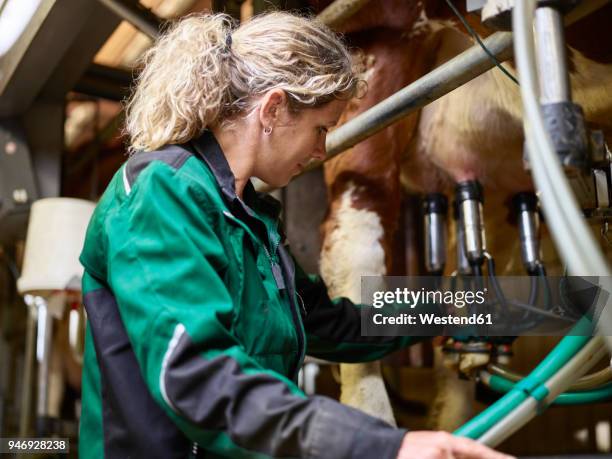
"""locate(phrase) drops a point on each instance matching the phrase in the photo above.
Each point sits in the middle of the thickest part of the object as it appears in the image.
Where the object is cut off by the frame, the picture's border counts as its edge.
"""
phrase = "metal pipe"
(551, 56)
(44, 342)
(134, 13)
(339, 11)
(28, 370)
(440, 81)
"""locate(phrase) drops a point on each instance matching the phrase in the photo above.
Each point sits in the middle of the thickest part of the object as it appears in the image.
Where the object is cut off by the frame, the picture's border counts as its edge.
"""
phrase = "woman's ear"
(272, 108)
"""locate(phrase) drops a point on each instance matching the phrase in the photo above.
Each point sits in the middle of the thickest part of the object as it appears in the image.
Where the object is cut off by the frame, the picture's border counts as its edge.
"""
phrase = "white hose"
(569, 230)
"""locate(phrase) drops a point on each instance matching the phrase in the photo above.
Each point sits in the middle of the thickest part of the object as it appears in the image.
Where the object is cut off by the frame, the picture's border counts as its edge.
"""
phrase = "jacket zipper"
(292, 294)
(280, 283)
(295, 315)
(276, 270)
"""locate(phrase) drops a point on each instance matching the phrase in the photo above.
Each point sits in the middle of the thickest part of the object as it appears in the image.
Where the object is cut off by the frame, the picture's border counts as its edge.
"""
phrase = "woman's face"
(295, 140)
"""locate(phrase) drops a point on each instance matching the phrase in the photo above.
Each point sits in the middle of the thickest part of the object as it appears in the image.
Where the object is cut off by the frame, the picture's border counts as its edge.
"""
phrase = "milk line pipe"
(550, 46)
(586, 382)
(542, 395)
(504, 409)
(554, 361)
(597, 394)
(586, 359)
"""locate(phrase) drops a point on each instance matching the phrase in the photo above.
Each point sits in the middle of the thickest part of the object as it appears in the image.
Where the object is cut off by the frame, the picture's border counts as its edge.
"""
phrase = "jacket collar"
(209, 150)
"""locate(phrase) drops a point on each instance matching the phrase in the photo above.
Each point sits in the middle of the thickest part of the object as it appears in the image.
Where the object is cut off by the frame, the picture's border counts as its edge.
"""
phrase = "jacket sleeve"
(333, 326)
(166, 269)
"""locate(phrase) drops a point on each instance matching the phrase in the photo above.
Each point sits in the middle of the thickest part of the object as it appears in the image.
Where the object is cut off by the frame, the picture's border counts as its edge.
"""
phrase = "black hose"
(547, 293)
(499, 294)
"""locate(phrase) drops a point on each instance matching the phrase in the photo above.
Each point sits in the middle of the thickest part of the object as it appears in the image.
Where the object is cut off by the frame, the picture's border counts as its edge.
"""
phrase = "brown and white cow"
(475, 132)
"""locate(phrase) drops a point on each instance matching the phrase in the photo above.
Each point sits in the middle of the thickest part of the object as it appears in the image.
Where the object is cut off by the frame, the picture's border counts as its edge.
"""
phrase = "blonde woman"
(199, 319)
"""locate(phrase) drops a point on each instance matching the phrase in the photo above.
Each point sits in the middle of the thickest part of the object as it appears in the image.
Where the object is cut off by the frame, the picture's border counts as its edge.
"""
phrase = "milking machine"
(585, 163)
(467, 353)
(572, 172)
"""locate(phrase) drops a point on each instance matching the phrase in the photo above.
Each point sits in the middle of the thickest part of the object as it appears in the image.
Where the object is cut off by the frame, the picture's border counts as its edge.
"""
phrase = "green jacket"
(199, 320)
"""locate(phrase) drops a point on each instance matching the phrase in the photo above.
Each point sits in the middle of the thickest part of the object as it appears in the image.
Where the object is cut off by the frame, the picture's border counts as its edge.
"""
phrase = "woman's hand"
(442, 445)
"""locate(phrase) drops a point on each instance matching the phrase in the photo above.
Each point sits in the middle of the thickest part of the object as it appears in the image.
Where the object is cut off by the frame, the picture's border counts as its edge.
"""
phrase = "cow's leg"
(364, 193)
(353, 248)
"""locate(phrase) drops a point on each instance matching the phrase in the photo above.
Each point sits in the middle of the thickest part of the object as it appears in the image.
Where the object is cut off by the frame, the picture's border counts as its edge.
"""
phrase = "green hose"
(533, 382)
(601, 394)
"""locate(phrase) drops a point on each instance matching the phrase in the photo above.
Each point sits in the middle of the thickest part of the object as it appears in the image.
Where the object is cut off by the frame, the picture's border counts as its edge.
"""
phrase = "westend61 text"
(412, 298)
(432, 319)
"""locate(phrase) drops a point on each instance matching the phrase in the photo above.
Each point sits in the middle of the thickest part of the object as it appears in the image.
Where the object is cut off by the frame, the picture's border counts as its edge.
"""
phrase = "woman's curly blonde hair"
(201, 73)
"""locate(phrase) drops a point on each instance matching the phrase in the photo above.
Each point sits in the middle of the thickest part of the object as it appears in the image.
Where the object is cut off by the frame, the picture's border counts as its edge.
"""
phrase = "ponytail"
(184, 84)
(202, 73)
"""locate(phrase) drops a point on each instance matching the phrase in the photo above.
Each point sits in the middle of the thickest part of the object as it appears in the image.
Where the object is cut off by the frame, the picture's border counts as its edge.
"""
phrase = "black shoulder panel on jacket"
(173, 155)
